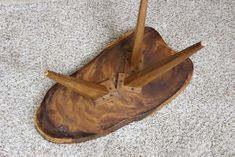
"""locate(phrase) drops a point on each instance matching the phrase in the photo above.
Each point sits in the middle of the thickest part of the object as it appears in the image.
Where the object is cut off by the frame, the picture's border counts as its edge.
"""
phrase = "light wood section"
(139, 36)
(82, 87)
(141, 78)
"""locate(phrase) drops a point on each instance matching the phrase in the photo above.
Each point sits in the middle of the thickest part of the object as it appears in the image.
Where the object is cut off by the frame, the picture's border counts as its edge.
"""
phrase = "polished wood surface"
(66, 116)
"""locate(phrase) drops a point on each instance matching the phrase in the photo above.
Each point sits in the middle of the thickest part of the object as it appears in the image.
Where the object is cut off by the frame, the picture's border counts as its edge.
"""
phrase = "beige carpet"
(64, 35)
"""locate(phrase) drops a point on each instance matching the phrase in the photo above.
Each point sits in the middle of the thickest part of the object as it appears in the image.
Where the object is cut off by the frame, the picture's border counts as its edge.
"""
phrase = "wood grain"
(147, 75)
(82, 87)
(65, 116)
(137, 53)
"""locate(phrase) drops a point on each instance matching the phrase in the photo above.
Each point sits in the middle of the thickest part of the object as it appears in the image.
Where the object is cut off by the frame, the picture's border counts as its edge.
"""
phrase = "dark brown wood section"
(64, 116)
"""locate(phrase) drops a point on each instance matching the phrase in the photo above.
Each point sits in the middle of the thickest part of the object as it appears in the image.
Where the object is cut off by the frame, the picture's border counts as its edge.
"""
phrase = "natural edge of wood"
(122, 123)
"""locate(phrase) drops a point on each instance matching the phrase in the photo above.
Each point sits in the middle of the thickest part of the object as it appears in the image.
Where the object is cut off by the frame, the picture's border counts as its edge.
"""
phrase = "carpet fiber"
(64, 35)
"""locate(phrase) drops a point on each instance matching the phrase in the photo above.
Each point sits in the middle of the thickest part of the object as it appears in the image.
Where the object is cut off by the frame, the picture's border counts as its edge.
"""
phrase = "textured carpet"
(64, 35)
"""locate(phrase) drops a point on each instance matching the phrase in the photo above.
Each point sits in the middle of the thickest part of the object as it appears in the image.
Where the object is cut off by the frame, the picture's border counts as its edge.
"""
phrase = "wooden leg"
(82, 87)
(145, 76)
(139, 36)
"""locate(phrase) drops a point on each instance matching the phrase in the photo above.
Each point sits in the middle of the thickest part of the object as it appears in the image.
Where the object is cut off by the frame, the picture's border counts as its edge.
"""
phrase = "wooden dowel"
(139, 36)
(82, 87)
(145, 76)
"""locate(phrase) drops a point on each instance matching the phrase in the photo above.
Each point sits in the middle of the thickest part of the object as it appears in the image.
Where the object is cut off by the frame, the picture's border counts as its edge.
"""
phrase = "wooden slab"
(66, 117)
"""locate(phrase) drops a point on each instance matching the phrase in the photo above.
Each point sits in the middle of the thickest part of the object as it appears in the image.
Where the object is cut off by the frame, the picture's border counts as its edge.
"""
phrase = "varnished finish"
(150, 73)
(82, 87)
(106, 95)
(65, 116)
(137, 51)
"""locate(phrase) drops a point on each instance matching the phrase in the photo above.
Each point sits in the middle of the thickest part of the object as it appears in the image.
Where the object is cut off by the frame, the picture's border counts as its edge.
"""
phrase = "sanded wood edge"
(46, 136)
(119, 39)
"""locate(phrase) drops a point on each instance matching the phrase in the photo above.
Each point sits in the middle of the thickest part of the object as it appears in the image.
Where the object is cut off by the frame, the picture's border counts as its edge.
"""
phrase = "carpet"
(63, 35)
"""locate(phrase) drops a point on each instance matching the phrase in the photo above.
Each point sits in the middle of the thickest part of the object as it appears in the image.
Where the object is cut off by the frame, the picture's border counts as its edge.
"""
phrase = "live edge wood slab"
(134, 76)
(64, 116)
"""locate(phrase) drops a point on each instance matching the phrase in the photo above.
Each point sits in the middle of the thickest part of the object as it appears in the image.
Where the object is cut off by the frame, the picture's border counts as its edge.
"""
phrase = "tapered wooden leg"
(145, 76)
(139, 35)
(82, 87)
